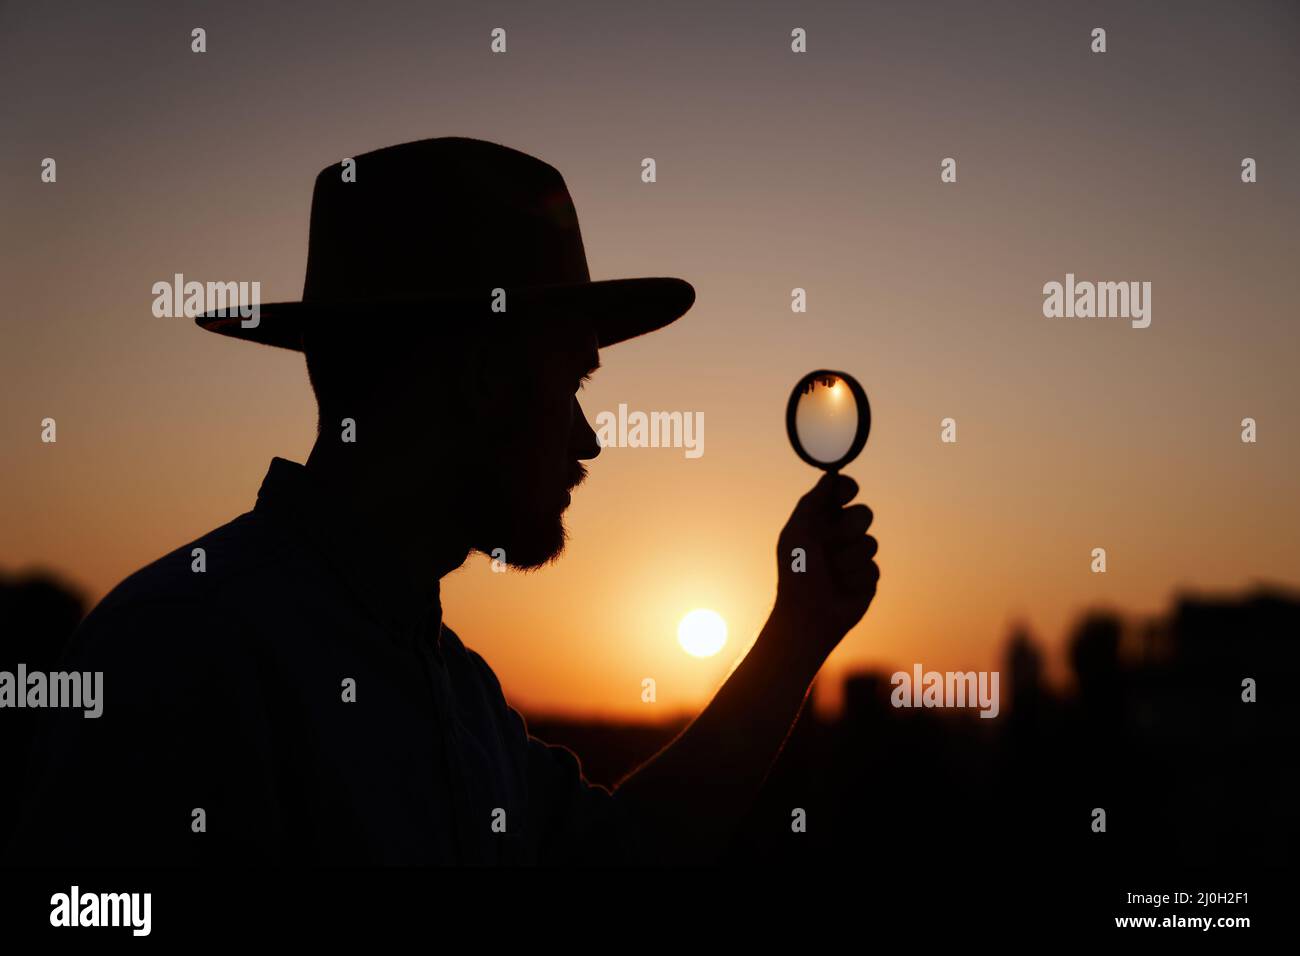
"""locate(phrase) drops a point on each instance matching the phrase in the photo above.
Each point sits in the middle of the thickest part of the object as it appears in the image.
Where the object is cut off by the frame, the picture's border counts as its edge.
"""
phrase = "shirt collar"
(405, 607)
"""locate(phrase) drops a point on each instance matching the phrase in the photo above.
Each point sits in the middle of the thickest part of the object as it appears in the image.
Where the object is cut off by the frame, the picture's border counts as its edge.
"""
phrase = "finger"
(852, 522)
(861, 581)
(860, 550)
(844, 489)
(870, 545)
(815, 501)
(855, 563)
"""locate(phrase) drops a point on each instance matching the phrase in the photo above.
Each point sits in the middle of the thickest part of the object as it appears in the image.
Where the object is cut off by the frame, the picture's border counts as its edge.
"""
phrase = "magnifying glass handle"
(834, 473)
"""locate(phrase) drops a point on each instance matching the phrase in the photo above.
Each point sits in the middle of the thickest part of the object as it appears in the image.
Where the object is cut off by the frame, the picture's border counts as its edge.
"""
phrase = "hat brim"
(620, 309)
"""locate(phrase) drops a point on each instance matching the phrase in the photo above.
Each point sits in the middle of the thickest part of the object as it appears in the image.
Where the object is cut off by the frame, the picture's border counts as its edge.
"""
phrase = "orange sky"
(775, 171)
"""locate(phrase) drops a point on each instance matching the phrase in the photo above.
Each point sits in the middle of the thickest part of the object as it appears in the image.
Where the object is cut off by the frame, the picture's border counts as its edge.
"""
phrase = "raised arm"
(690, 796)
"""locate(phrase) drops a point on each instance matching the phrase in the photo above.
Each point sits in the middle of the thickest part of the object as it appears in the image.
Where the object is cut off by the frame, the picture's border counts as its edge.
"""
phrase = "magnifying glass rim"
(864, 419)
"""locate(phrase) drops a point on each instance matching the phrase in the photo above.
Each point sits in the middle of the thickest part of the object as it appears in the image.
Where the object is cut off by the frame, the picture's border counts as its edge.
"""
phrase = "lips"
(578, 476)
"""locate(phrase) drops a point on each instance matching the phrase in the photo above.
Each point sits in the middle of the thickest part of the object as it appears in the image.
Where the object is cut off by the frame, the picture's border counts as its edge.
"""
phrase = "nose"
(583, 443)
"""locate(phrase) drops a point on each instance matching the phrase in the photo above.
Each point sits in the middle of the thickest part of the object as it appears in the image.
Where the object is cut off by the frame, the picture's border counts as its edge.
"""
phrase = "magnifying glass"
(828, 419)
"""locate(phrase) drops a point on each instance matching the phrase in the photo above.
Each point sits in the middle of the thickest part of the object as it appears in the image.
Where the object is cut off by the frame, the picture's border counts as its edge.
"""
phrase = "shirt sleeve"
(581, 823)
(585, 823)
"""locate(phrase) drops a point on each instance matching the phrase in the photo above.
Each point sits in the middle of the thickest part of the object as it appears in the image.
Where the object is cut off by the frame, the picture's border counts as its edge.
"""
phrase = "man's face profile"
(481, 437)
(518, 439)
(532, 448)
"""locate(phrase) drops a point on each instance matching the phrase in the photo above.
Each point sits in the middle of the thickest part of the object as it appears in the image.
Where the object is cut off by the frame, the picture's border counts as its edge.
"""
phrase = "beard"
(528, 548)
(524, 519)
(523, 534)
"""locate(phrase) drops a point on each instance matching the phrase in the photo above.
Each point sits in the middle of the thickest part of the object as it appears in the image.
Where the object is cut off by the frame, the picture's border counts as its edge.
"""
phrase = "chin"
(539, 547)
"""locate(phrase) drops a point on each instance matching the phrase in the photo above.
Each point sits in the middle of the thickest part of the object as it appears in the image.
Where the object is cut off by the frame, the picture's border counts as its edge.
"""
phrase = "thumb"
(831, 490)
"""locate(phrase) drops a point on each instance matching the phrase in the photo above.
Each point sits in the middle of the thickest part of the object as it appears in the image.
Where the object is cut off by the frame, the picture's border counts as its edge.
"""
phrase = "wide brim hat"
(451, 230)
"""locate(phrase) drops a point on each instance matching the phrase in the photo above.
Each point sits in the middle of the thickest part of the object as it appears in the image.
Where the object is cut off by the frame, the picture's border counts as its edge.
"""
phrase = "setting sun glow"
(702, 633)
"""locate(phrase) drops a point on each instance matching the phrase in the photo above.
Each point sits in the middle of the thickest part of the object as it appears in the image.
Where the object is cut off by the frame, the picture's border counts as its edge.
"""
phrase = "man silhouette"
(299, 699)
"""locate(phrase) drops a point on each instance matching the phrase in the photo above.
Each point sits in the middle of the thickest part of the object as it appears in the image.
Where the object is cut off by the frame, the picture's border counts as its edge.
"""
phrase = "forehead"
(575, 340)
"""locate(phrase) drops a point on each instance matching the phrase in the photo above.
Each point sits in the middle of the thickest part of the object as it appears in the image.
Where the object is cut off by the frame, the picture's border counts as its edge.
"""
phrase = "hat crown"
(464, 215)
(427, 230)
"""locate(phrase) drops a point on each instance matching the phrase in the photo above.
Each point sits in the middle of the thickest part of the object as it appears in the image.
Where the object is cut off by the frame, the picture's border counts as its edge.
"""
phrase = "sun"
(702, 633)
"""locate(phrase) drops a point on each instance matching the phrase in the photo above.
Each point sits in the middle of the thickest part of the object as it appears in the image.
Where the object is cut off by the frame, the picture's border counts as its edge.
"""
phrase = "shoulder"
(201, 571)
(474, 677)
(554, 757)
(170, 604)
(469, 662)
(454, 649)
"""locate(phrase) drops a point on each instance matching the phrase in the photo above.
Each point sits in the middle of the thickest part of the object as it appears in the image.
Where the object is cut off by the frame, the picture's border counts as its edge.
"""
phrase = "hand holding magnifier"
(828, 419)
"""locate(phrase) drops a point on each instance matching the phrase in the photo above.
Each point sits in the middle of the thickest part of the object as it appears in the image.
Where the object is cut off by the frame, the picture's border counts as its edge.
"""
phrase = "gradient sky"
(775, 170)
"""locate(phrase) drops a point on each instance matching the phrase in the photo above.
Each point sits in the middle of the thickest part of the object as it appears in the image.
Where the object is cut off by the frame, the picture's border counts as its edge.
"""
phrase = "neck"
(417, 528)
